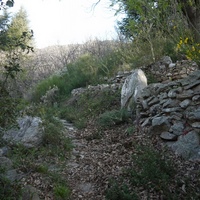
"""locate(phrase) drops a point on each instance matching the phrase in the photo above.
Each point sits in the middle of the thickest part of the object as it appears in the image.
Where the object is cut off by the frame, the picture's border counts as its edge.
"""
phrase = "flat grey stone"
(30, 193)
(177, 128)
(185, 103)
(187, 145)
(168, 136)
(85, 187)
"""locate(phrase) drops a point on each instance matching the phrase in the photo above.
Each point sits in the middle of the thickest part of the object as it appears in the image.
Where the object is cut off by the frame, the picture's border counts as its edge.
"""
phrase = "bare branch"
(95, 4)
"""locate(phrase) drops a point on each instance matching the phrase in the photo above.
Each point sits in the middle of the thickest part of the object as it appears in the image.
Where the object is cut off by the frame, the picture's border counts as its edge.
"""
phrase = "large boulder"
(132, 87)
(188, 146)
(28, 134)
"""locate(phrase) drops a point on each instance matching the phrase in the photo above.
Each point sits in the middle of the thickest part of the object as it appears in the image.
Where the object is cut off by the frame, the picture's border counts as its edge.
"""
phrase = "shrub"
(7, 110)
(189, 48)
(9, 190)
(120, 192)
(42, 168)
(153, 173)
(53, 137)
(151, 170)
(78, 74)
(114, 117)
(109, 64)
(89, 105)
(61, 192)
(50, 97)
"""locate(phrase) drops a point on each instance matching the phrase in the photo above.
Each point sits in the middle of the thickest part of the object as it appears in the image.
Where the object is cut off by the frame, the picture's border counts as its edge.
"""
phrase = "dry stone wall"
(172, 111)
(165, 70)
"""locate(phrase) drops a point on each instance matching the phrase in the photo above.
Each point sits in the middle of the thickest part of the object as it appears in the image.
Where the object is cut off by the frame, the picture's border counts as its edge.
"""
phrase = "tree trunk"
(192, 13)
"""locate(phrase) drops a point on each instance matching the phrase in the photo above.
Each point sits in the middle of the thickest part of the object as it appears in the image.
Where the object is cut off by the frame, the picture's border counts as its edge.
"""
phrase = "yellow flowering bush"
(189, 48)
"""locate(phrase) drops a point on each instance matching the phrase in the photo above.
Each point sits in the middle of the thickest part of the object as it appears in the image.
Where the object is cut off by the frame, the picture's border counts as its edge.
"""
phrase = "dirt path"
(96, 158)
(99, 156)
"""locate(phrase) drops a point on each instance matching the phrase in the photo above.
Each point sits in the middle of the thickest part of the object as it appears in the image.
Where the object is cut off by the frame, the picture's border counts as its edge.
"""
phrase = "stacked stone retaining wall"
(172, 111)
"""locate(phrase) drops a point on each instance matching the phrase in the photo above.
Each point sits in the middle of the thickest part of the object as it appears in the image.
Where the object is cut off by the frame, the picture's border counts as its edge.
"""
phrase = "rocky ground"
(99, 156)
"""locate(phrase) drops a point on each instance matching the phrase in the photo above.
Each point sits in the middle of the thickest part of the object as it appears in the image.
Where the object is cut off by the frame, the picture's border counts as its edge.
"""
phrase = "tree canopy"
(164, 15)
(15, 39)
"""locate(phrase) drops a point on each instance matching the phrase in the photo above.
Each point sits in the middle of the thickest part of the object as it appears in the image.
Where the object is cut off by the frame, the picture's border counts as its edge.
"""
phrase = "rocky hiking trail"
(96, 158)
(100, 156)
(104, 156)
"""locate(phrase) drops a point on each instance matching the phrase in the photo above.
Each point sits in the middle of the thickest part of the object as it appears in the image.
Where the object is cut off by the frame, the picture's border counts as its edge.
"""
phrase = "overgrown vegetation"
(87, 70)
(113, 117)
(54, 151)
(9, 190)
(153, 173)
(89, 105)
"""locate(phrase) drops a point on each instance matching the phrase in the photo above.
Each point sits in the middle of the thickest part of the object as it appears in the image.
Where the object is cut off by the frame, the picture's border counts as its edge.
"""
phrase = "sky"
(61, 22)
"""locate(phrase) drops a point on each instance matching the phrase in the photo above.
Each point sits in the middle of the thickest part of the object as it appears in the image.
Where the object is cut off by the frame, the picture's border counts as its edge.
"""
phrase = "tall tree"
(19, 28)
(14, 40)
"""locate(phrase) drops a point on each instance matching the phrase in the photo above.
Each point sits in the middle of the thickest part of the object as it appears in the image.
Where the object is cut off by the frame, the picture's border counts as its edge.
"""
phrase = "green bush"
(109, 64)
(87, 70)
(23, 157)
(113, 117)
(54, 138)
(153, 173)
(7, 111)
(150, 170)
(120, 192)
(42, 168)
(79, 74)
(89, 105)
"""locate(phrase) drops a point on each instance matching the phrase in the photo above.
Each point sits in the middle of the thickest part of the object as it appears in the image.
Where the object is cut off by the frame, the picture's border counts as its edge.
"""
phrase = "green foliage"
(151, 29)
(29, 160)
(54, 150)
(79, 74)
(116, 192)
(150, 170)
(44, 86)
(108, 65)
(61, 192)
(87, 70)
(8, 108)
(146, 17)
(113, 117)
(42, 168)
(8, 190)
(23, 158)
(187, 46)
(131, 130)
(15, 36)
(15, 40)
(52, 131)
(53, 138)
(89, 105)
(151, 78)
